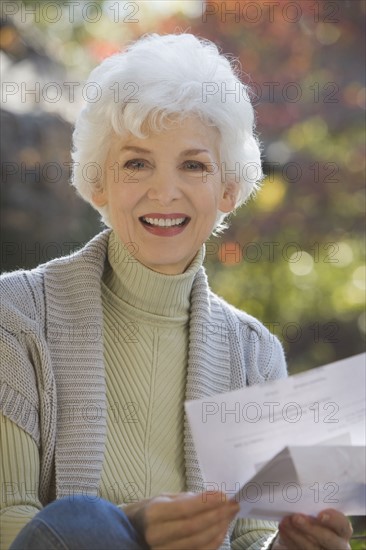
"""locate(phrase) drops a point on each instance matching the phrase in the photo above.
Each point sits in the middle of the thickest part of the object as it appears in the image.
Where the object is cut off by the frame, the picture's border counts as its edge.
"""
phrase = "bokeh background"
(294, 256)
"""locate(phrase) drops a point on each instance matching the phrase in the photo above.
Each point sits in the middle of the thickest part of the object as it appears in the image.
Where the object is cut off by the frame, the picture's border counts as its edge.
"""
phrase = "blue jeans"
(79, 523)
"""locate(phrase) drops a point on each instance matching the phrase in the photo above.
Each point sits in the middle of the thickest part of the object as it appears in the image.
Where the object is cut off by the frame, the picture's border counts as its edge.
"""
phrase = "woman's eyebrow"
(186, 152)
(135, 149)
(191, 152)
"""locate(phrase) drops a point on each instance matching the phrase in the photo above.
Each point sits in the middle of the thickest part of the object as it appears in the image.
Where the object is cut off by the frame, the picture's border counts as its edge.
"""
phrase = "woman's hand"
(330, 530)
(182, 521)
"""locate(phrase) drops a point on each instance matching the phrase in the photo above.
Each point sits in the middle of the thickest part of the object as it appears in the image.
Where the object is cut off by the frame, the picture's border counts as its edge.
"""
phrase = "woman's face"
(164, 192)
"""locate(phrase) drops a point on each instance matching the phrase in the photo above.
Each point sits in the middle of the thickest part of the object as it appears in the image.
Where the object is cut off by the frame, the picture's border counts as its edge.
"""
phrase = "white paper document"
(290, 445)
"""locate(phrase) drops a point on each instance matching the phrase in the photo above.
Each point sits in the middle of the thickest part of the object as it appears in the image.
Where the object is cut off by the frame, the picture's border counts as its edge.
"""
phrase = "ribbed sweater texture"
(146, 318)
(53, 362)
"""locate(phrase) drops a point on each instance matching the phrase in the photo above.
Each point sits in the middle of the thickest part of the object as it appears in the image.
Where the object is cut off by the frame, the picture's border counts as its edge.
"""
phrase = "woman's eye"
(135, 164)
(194, 165)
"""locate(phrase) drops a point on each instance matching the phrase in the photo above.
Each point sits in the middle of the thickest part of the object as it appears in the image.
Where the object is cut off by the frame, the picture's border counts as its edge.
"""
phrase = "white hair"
(159, 77)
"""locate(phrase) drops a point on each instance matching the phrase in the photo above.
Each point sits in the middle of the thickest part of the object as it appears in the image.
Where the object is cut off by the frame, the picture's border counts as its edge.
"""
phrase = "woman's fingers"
(168, 519)
(201, 521)
(294, 538)
(337, 522)
(210, 538)
(306, 533)
(167, 508)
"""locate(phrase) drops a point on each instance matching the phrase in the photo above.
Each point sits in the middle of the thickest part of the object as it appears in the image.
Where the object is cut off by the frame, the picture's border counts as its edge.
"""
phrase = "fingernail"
(324, 518)
(233, 511)
(299, 520)
(234, 504)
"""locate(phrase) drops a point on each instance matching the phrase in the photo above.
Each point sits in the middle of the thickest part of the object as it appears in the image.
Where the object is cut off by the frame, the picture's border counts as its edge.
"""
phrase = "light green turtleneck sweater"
(146, 318)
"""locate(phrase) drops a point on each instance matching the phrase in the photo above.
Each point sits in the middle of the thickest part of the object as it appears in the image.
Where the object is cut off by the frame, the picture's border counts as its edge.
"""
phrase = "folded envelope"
(296, 444)
(307, 480)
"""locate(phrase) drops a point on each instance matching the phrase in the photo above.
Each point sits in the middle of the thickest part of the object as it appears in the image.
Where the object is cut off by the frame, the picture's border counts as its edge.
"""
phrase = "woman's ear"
(99, 197)
(230, 192)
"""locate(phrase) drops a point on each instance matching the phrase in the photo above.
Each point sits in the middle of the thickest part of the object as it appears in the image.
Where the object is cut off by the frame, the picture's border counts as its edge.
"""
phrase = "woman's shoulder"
(241, 319)
(23, 291)
(235, 322)
(252, 344)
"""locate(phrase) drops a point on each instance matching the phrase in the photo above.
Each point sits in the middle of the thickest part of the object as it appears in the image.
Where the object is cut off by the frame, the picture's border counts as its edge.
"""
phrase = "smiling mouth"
(164, 222)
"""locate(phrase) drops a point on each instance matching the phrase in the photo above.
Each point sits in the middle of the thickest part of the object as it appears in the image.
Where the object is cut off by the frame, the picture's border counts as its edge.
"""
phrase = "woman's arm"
(20, 467)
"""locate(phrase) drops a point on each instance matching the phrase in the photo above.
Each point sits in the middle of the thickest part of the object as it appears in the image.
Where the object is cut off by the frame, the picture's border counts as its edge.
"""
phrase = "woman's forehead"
(190, 134)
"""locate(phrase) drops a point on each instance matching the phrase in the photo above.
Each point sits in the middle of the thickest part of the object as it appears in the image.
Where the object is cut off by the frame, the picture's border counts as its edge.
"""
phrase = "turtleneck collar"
(145, 289)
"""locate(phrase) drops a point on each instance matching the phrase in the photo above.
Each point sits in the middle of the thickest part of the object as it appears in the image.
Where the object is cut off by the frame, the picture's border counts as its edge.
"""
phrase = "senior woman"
(100, 349)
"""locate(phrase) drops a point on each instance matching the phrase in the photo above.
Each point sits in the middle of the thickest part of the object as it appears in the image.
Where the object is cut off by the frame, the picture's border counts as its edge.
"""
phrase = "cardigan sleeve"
(264, 359)
(252, 534)
(27, 385)
(20, 470)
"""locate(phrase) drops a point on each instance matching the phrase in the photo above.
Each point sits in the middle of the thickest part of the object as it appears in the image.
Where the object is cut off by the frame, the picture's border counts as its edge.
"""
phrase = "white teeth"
(164, 222)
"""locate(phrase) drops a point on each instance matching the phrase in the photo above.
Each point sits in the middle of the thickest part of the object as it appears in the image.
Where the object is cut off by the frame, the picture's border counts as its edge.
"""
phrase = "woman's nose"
(164, 187)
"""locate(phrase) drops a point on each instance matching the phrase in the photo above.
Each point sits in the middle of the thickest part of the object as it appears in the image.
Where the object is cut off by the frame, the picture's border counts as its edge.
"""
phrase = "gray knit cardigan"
(52, 366)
